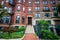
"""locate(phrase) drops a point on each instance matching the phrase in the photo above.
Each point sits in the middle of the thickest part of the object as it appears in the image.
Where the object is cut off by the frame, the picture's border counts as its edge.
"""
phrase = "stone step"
(29, 29)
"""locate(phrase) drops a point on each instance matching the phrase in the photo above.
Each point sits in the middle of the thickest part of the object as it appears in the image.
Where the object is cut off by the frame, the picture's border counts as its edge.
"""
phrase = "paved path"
(30, 37)
(30, 34)
(29, 29)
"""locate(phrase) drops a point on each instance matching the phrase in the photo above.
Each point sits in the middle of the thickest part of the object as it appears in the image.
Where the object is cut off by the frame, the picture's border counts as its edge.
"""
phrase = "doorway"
(29, 20)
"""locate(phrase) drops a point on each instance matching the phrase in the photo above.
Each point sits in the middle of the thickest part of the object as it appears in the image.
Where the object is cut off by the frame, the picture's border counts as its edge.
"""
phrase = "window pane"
(9, 10)
(2, 2)
(55, 14)
(3, 19)
(47, 15)
(58, 1)
(22, 19)
(37, 8)
(18, 9)
(5, 7)
(7, 0)
(17, 19)
(29, 3)
(53, 8)
(23, 9)
(6, 19)
(37, 2)
(45, 8)
(37, 15)
(11, 1)
(44, 2)
(19, 1)
(52, 1)
(29, 10)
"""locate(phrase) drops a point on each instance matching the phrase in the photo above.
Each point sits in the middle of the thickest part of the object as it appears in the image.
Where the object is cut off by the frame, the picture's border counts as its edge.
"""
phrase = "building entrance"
(29, 20)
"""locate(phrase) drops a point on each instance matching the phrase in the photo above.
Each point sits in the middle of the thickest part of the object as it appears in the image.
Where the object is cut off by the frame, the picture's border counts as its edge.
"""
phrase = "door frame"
(28, 20)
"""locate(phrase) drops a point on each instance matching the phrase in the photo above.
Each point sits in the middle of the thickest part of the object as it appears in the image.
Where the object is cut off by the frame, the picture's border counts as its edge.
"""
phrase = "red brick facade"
(33, 12)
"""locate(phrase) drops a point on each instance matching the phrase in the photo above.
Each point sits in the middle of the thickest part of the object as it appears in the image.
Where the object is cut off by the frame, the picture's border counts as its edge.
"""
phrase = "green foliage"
(22, 28)
(43, 27)
(58, 8)
(17, 34)
(0, 6)
(43, 24)
(3, 12)
(48, 35)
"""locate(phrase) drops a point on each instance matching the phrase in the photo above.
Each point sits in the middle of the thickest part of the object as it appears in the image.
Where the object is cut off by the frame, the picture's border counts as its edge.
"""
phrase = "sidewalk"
(29, 33)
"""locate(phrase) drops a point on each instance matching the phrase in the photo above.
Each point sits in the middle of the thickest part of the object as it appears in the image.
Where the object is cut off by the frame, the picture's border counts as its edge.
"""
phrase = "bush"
(21, 29)
(17, 34)
(48, 35)
(43, 30)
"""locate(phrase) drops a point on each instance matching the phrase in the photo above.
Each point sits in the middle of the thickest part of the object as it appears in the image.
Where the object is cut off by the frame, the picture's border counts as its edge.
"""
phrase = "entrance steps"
(29, 29)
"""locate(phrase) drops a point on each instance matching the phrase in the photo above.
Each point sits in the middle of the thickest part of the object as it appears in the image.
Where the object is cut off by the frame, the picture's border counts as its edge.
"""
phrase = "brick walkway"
(29, 33)
(30, 37)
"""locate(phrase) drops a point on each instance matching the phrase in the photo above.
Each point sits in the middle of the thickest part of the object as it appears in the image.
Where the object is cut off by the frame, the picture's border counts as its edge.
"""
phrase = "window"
(2, 2)
(58, 1)
(11, 1)
(5, 7)
(1, 28)
(45, 2)
(29, 10)
(46, 8)
(22, 19)
(17, 27)
(37, 2)
(18, 9)
(7, 0)
(47, 15)
(17, 19)
(29, 3)
(9, 10)
(37, 8)
(55, 14)
(6, 19)
(53, 8)
(37, 15)
(19, 1)
(23, 9)
(52, 1)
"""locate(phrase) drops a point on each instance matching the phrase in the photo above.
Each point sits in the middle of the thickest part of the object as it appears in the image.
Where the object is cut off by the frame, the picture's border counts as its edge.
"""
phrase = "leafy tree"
(43, 24)
(58, 8)
(43, 32)
(3, 12)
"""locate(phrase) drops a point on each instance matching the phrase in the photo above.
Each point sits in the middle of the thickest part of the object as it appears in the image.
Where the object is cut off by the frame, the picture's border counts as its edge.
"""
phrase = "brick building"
(28, 12)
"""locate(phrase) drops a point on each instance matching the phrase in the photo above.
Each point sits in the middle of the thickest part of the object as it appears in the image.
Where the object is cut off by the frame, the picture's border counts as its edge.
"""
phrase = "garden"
(17, 33)
(43, 31)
